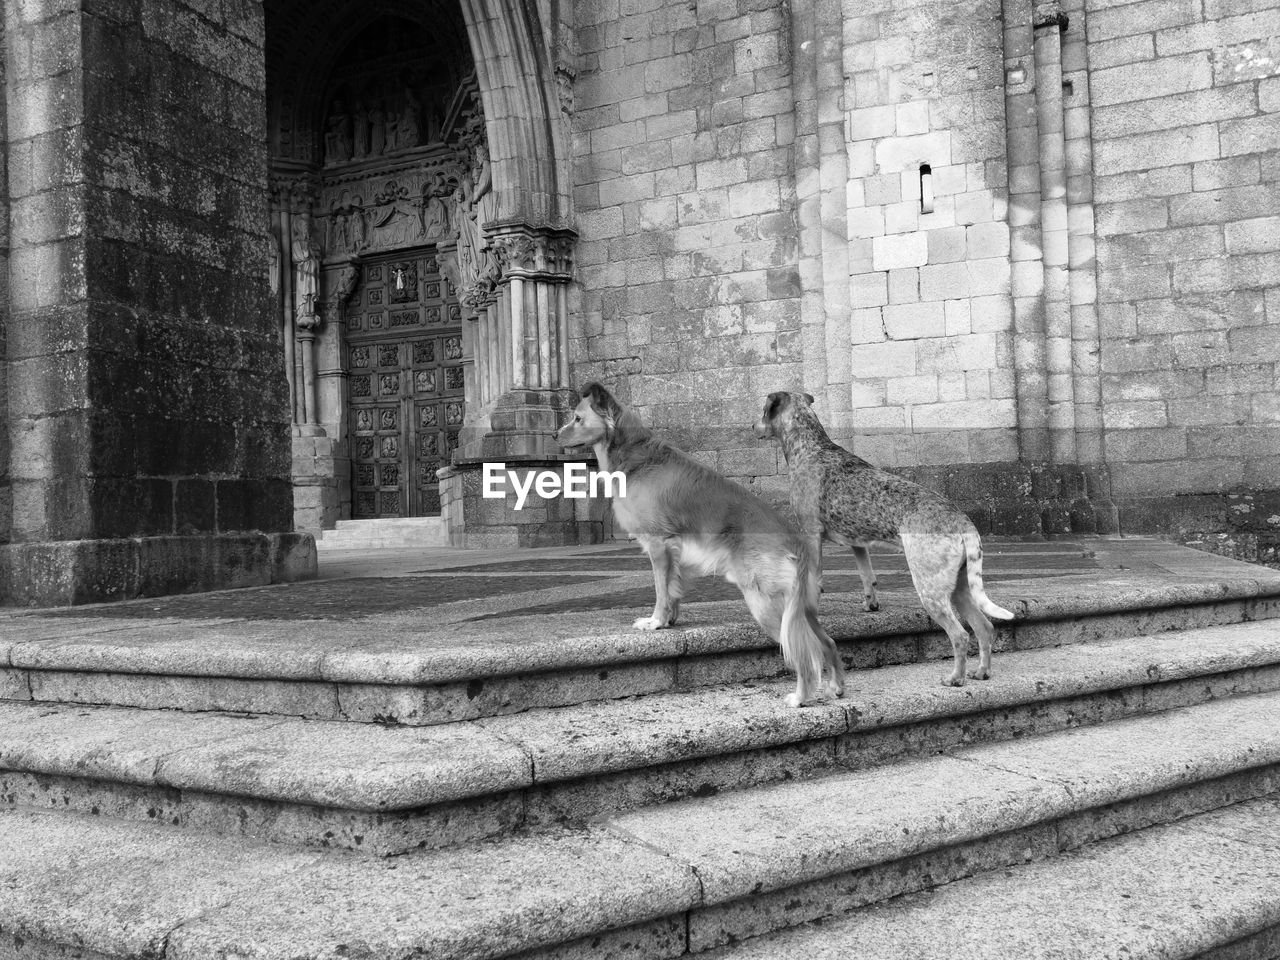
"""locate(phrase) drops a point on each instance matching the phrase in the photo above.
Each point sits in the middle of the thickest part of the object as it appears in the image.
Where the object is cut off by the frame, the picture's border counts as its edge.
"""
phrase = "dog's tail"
(803, 649)
(973, 567)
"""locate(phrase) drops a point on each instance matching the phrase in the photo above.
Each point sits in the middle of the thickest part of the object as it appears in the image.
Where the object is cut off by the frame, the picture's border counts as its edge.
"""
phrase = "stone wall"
(931, 378)
(683, 130)
(6, 494)
(150, 437)
(991, 232)
(1187, 167)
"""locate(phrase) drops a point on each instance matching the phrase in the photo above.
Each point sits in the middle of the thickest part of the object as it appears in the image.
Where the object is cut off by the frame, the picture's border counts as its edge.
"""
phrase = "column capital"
(541, 253)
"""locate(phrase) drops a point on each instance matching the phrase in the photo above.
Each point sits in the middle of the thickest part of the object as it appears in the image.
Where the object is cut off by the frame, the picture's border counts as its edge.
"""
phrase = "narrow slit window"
(926, 188)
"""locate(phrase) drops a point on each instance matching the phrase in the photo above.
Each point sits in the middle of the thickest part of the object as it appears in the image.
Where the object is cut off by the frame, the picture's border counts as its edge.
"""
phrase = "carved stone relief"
(387, 211)
(384, 117)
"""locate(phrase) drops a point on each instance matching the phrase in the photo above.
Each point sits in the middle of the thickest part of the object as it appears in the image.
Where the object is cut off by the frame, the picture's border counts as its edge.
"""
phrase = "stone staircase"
(391, 533)
(212, 787)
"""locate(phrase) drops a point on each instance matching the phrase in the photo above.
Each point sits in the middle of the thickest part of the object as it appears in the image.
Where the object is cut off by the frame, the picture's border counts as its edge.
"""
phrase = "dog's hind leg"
(944, 615)
(935, 563)
(660, 555)
(862, 558)
(766, 611)
(978, 622)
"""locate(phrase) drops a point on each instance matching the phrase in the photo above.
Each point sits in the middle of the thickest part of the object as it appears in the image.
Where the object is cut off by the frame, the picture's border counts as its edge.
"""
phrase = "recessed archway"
(431, 128)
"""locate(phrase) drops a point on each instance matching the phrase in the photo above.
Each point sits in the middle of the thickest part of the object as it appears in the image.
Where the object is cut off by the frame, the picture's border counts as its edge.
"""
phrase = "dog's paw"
(949, 680)
(648, 623)
(793, 700)
(871, 606)
(977, 673)
(835, 691)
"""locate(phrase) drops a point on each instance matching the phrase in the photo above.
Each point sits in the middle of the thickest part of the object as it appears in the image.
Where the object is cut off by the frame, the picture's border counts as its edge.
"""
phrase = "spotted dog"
(843, 498)
(692, 521)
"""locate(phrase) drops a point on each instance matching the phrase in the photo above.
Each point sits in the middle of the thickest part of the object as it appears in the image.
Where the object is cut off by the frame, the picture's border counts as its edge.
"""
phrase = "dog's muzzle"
(761, 430)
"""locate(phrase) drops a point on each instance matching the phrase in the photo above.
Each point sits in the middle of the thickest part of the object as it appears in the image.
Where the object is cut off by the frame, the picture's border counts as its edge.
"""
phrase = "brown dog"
(847, 500)
(691, 520)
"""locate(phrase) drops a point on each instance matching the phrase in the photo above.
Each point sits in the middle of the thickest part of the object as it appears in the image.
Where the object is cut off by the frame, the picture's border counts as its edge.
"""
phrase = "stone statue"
(407, 131)
(359, 228)
(482, 198)
(433, 217)
(469, 238)
(306, 274)
(337, 227)
(473, 207)
(273, 264)
(360, 131)
(337, 138)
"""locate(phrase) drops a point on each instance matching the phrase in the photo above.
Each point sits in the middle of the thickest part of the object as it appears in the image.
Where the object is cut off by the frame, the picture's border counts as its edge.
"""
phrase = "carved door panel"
(404, 353)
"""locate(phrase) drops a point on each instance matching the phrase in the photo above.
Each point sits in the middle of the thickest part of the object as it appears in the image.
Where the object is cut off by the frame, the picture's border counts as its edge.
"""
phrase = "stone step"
(386, 790)
(387, 532)
(1206, 886)
(657, 882)
(448, 665)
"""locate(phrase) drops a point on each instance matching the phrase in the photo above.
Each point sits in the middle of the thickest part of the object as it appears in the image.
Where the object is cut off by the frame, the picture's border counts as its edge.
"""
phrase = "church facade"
(271, 265)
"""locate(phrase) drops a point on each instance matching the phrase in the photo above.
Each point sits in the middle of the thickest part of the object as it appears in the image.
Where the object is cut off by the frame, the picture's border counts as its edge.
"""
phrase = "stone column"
(149, 421)
(526, 385)
(1026, 236)
(1048, 26)
(536, 267)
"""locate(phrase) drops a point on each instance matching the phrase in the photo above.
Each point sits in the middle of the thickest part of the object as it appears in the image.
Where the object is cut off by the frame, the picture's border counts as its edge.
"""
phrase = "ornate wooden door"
(404, 357)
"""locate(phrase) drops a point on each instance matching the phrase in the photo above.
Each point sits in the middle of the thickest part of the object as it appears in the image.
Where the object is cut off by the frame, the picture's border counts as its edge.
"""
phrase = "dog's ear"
(602, 400)
(773, 405)
(809, 397)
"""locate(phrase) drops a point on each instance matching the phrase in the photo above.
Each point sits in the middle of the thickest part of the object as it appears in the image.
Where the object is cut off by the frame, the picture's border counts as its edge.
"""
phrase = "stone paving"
(472, 592)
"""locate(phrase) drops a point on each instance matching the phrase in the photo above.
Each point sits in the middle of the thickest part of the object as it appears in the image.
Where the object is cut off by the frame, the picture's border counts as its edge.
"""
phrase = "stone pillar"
(1048, 26)
(1025, 231)
(536, 266)
(523, 387)
(147, 409)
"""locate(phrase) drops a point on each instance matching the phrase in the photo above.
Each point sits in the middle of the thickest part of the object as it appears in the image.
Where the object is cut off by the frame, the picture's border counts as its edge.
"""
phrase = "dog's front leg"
(862, 557)
(661, 559)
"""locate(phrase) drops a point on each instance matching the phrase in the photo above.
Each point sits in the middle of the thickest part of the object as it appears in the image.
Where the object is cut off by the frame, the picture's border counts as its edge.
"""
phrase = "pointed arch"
(527, 139)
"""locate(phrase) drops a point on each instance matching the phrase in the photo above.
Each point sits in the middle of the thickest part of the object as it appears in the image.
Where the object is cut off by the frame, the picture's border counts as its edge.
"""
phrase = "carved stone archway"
(498, 178)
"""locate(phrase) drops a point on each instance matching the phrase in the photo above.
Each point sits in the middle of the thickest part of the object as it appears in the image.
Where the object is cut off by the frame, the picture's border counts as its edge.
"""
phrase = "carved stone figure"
(482, 198)
(338, 229)
(273, 264)
(306, 274)
(433, 216)
(469, 236)
(359, 228)
(360, 131)
(408, 133)
(337, 138)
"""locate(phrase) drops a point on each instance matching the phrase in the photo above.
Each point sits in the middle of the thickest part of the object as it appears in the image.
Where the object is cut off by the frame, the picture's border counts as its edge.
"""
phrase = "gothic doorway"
(430, 133)
(404, 361)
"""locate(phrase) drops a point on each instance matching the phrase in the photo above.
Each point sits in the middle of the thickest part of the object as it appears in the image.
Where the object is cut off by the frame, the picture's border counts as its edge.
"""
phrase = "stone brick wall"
(1187, 175)
(6, 494)
(144, 364)
(150, 439)
(683, 128)
(932, 378)
(1091, 295)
